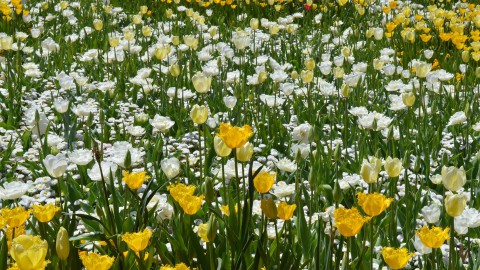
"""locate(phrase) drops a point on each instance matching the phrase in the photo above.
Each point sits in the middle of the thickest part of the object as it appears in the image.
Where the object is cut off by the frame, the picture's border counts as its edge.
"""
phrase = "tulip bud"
(143, 10)
(477, 72)
(370, 169)
(337, 153)
(294, 75)
(212, 227)
(137, 19)
(174, 70)
(209, 189)
(453, 179)
(147, 31)
(201, 82)
(128, 160)
(220, 147)
(245, 152)
(62, 244)
(262, 76)
(393, 167)
(408, 99)
(337, 192)
(199, 114)
(307, 76)
(345, 91)
(269, 208)
(254, 23)
(465, 56)
(455, 204)
(113, 41)
(162, 51)
(128, 34)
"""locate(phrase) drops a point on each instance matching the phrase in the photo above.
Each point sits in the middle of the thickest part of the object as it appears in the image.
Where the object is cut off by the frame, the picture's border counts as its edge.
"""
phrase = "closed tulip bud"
(337, 153)
(465, 56)
(273, 29)
(337, 193)
(137, 19)
(269, 208)
(213, 31)
(262, 76)
(97, 24)
(209, 189)
(143, 10)
(212, 227)
(346, 51)
(345, 91)
(417, 165)
(113, 41)
(220, 147)
(477, 72)
(294, 75)
(175, 40)
(393, 166)
(199, 114)
(169, 13)
(307, 76)
(455, 204)
(370, 169)
(162, 51)
(408, 99)
(254, 23)
(174, 70)
(369, 33)
(201, 82)
(423, 69)
(147, 31)
(245, 152)
(128, 34)
(453, 179)
(62, 245)
(45, 6)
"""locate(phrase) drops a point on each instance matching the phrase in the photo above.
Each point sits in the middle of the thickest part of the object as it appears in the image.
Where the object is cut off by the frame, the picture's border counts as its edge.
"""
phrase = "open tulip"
(453, 178)
(396, 258)
(29, 252)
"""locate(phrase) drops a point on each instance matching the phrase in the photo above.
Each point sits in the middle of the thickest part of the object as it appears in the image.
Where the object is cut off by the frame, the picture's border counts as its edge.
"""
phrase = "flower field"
(239, 134)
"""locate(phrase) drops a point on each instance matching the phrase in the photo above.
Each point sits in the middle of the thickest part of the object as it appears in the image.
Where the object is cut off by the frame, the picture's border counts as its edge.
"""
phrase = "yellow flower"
(202, 232)
(373, 204)
(45, 213)
(349, 221)
(95, 261)
(263, 182)
(191, 204)
(285, 211)
(235, 137)
(62, 245)
(15, 217)
(396, 258)
(225, 210)
(180, 266)
(220, 147)
(434, 237)
(135, 180)
(3, 222)
(178, 191)
(137, 241)
(29, 252)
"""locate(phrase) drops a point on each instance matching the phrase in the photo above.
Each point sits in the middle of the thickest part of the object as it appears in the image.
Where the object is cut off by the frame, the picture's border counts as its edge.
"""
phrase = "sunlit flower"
(29, 252)
(373, 204)
(396, 258)
(285, 210)
(16, 217)
(264, 181)
(349, 221)
(137, 241)
(135, 180)
(45, 213)
(434, 237)
(95, 261)
(234, 137)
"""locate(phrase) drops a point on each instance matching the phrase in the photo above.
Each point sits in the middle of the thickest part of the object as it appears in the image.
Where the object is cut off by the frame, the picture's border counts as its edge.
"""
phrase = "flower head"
(45, 213)
(137, 241)
(135, 180)
(349, 221)
(263, 182)
(29, 252)
(434, 237)
(285, 210)
(396, 258)
(15, 217)
(235, 137)
(95, 261)
(373, 204)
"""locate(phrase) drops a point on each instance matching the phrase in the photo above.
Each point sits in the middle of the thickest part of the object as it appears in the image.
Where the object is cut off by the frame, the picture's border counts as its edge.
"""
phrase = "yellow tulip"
(62, 245)
(235, 137)
(455, 204)
(15, 217)
(245, 152)
(434, 237)
(135, 180)
(373, 204)
(285, 210)
(396, 258)
(29, 252)
(137, 241)
(220, 147)
(95, 261)
(263, 182)
(199, 114)
(45, 213)
(349, 221)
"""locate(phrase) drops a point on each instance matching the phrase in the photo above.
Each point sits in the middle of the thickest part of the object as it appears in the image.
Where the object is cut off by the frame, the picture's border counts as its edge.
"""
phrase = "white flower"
(136, 131)
(161, 123)
(171, 167)
(82, 110)
(61, 105)
(40, 127)
(55, 165)
(81, 156)
(431, 213)
(302, 148)
(107, 167)
(375, 121)
(457, 118)
(159, 204)
(282, 189)
(119, 153)
(286, 165)
(230, 101)
(13, 190)
(279, 76)
(301, 133)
